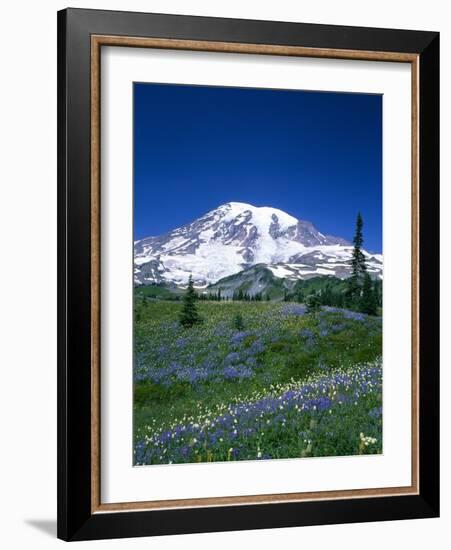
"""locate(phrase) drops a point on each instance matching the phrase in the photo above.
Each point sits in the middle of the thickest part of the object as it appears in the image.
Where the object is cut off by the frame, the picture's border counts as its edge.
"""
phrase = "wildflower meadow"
(254, 381)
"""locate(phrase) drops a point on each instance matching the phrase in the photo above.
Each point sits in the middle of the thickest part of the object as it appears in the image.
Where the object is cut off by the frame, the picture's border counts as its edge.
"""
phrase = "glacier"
(236, 236)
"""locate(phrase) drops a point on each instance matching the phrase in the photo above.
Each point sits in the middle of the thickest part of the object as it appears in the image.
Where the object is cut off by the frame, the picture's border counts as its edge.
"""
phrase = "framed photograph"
(248, 274)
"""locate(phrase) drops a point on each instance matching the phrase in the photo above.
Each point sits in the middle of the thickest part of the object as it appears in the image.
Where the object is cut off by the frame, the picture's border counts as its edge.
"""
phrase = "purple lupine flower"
(181, 342)
(297, 310)
(238, 337)
(232, 358)
(257, 347)
(234, 372)
(306, 333)
(376, 412)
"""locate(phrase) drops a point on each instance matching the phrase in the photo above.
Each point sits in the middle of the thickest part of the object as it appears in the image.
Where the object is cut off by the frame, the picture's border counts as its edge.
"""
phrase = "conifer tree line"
(334, 295)
(238, 295)
(361, 292)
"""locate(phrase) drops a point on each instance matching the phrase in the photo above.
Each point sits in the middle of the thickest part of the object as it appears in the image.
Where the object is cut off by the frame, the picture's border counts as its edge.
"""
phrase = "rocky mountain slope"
(236, 236)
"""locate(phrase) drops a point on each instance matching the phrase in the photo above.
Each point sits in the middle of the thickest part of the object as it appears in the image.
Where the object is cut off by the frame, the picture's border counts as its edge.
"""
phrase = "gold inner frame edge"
(97, 41)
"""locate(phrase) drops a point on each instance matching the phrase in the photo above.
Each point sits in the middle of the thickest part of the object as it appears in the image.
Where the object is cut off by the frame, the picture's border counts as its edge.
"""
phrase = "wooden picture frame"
(81, 35)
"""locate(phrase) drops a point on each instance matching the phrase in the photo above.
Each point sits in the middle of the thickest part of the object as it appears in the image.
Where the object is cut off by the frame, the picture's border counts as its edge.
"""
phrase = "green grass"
(160, 292)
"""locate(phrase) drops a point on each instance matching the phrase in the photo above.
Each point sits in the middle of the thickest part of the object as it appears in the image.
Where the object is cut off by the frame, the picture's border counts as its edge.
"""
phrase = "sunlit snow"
(235, 236)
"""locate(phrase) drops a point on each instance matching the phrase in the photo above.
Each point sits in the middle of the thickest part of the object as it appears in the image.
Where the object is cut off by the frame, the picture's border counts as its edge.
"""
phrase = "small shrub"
(238, 322)
(313, 303)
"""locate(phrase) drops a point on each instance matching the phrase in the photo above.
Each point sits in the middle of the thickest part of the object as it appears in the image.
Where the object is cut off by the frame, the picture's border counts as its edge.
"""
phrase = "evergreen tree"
(189, 315)
(377, 290)
(368, 302)
(358, 264)
(326, 296)
(313, 302)
(358, 259)
(238, 322)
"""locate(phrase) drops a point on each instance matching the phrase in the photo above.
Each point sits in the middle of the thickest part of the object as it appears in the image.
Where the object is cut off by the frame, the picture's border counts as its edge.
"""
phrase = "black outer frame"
(75, 520)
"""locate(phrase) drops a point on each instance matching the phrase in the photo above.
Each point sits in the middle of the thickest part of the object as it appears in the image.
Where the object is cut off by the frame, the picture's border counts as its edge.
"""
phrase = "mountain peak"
(259, 213)
(239, 206)
(235, 236)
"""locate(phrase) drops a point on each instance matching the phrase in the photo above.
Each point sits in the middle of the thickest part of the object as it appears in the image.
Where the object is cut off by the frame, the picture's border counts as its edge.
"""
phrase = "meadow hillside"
(254, 380)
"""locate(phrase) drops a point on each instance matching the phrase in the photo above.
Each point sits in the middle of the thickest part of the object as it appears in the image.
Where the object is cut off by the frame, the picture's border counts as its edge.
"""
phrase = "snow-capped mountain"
(234, 237)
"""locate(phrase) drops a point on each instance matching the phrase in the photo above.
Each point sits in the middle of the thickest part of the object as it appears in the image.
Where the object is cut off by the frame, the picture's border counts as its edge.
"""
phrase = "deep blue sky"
(315, 155)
